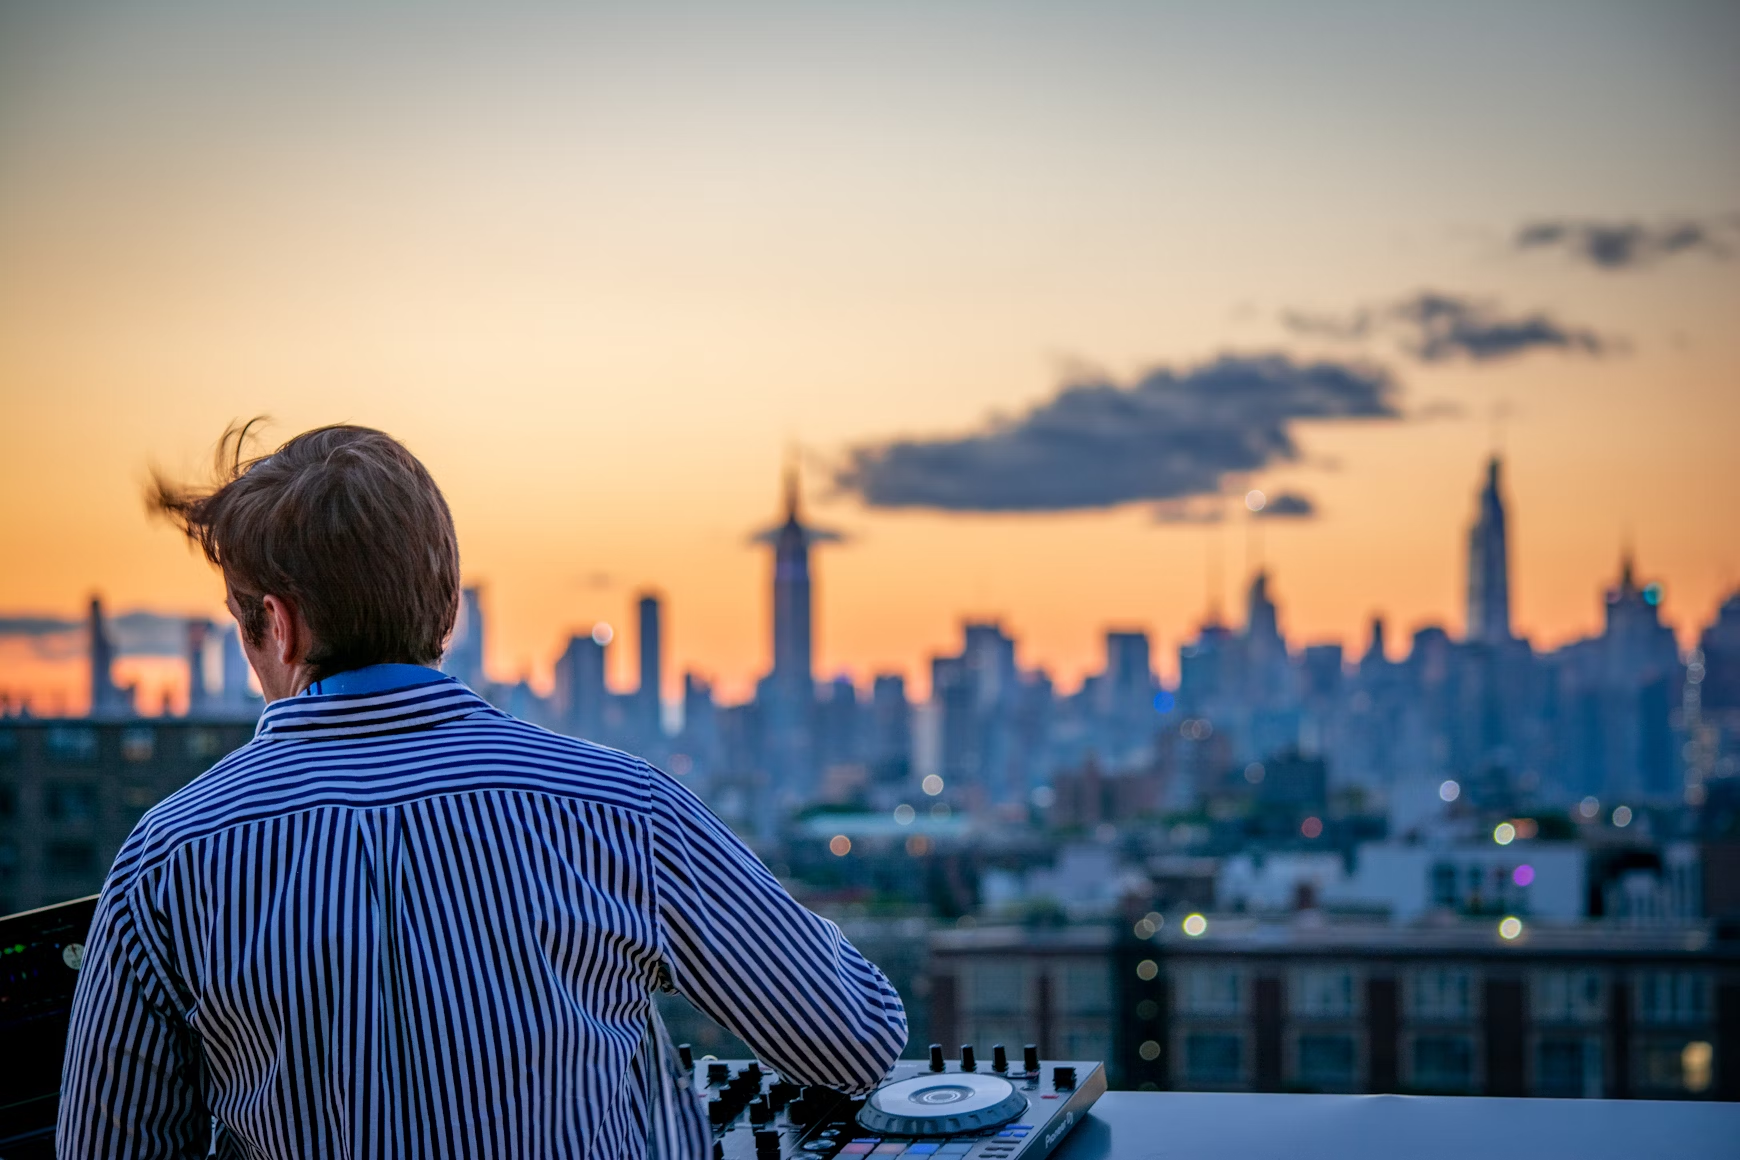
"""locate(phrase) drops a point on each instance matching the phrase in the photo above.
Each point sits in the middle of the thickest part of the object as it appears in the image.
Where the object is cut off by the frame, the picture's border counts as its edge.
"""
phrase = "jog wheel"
(942, 1105)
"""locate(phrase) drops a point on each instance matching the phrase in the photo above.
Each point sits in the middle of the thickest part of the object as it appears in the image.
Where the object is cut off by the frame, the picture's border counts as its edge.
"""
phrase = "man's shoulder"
(484, 753)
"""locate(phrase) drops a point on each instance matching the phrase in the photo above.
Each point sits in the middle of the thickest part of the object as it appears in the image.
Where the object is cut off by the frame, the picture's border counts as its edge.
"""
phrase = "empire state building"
(787, 694)
(793, 652)
(1489, 566)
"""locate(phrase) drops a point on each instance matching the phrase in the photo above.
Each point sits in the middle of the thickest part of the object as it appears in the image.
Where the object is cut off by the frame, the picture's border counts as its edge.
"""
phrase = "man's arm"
(741, 949)
(127, 1082)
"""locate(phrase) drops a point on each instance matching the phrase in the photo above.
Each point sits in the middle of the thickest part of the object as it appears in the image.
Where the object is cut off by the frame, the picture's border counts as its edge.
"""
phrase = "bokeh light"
(1254, 773)
(1164, 702)
(903, 814)
(1194, 925)
(918, 845)
(1504, 833)
(1147, 969)
(1589, 807)
(1450, 790)
(1311, 827)
(1622, 816)
(840, 845)
(1510, 929)
(1150, 1050)
(1695, 1060)
(602, 633)
(1256, 500)
(1523, 875)
(933, 784)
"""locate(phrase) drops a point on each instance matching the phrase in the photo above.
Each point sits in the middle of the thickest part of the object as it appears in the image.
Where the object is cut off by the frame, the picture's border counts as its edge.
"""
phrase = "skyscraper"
(464, 657)
(106, 699)
(236, 694)
(651, 667)
(1489, 566)
(580, 688)
(787, 697)
(198, 696)
(793, 659)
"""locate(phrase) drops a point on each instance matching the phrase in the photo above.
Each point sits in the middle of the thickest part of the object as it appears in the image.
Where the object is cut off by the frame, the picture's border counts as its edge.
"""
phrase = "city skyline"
(162, 680)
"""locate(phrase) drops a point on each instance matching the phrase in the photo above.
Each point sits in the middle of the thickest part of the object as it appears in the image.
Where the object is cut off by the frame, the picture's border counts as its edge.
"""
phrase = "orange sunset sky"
(600, 267)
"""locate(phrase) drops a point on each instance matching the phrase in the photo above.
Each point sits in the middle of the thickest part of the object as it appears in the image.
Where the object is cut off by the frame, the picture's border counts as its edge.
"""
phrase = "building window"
(1676, 1066)
(1568, 997)
(69, 858)
(1086, 1043)
(138, 744)
(1568, 1067)
(1444, 885)
(1670, 997)
(1326, 1061)
(1443, 1063)
(1087, 990)
(204, 743)
(1441, 994)
(1214, 1060)
(997, 988)
(69, 801)
(1216, 992)
(1322, 993)
(72, 744)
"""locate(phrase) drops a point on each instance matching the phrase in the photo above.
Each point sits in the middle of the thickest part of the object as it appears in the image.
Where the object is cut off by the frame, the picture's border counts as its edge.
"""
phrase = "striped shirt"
(400, 922)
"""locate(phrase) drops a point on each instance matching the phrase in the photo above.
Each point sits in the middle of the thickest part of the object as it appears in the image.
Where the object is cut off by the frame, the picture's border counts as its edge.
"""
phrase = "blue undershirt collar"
(373, 679)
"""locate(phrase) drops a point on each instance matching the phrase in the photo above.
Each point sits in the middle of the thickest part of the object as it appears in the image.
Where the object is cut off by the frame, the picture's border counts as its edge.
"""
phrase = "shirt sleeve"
(128, 1083)
(784, 980)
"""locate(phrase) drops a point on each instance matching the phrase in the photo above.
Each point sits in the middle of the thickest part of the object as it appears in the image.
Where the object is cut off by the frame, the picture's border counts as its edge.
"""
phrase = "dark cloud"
(1172, 435)
(1288, 505)
(1624, 245)
(1436, 327)
(1443, 327)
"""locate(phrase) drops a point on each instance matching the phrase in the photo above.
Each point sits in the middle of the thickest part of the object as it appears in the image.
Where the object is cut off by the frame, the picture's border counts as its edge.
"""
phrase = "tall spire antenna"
(791, 482)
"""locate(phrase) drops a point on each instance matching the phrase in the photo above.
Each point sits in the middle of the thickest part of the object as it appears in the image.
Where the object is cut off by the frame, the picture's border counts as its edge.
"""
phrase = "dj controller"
(940, 1110)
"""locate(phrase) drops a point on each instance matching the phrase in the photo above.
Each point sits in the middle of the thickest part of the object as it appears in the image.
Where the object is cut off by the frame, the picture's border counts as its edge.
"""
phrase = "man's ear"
(285, 630)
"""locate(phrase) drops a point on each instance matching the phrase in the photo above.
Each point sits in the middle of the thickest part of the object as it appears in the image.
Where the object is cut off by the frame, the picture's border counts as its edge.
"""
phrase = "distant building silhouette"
(107, 699)
(580, 689)
(651, 668)
(237, 697)
(464, 657)
(1489, 565)
(793, 644)
(787, 695)
(198, 696)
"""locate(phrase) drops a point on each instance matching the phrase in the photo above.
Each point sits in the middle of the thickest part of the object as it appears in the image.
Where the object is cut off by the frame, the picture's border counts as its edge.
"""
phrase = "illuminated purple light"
(1523, 875)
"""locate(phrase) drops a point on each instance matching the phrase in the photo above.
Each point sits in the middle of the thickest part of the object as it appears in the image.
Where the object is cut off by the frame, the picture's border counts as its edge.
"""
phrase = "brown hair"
(342, 522)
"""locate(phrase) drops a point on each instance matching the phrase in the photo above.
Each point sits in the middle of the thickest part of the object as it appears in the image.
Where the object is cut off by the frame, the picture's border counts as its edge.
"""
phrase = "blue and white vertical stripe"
(402, 923)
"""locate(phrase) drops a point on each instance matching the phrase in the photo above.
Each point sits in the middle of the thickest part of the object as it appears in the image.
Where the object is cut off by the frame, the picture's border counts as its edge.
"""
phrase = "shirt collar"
(371, 701)
(373, 679)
